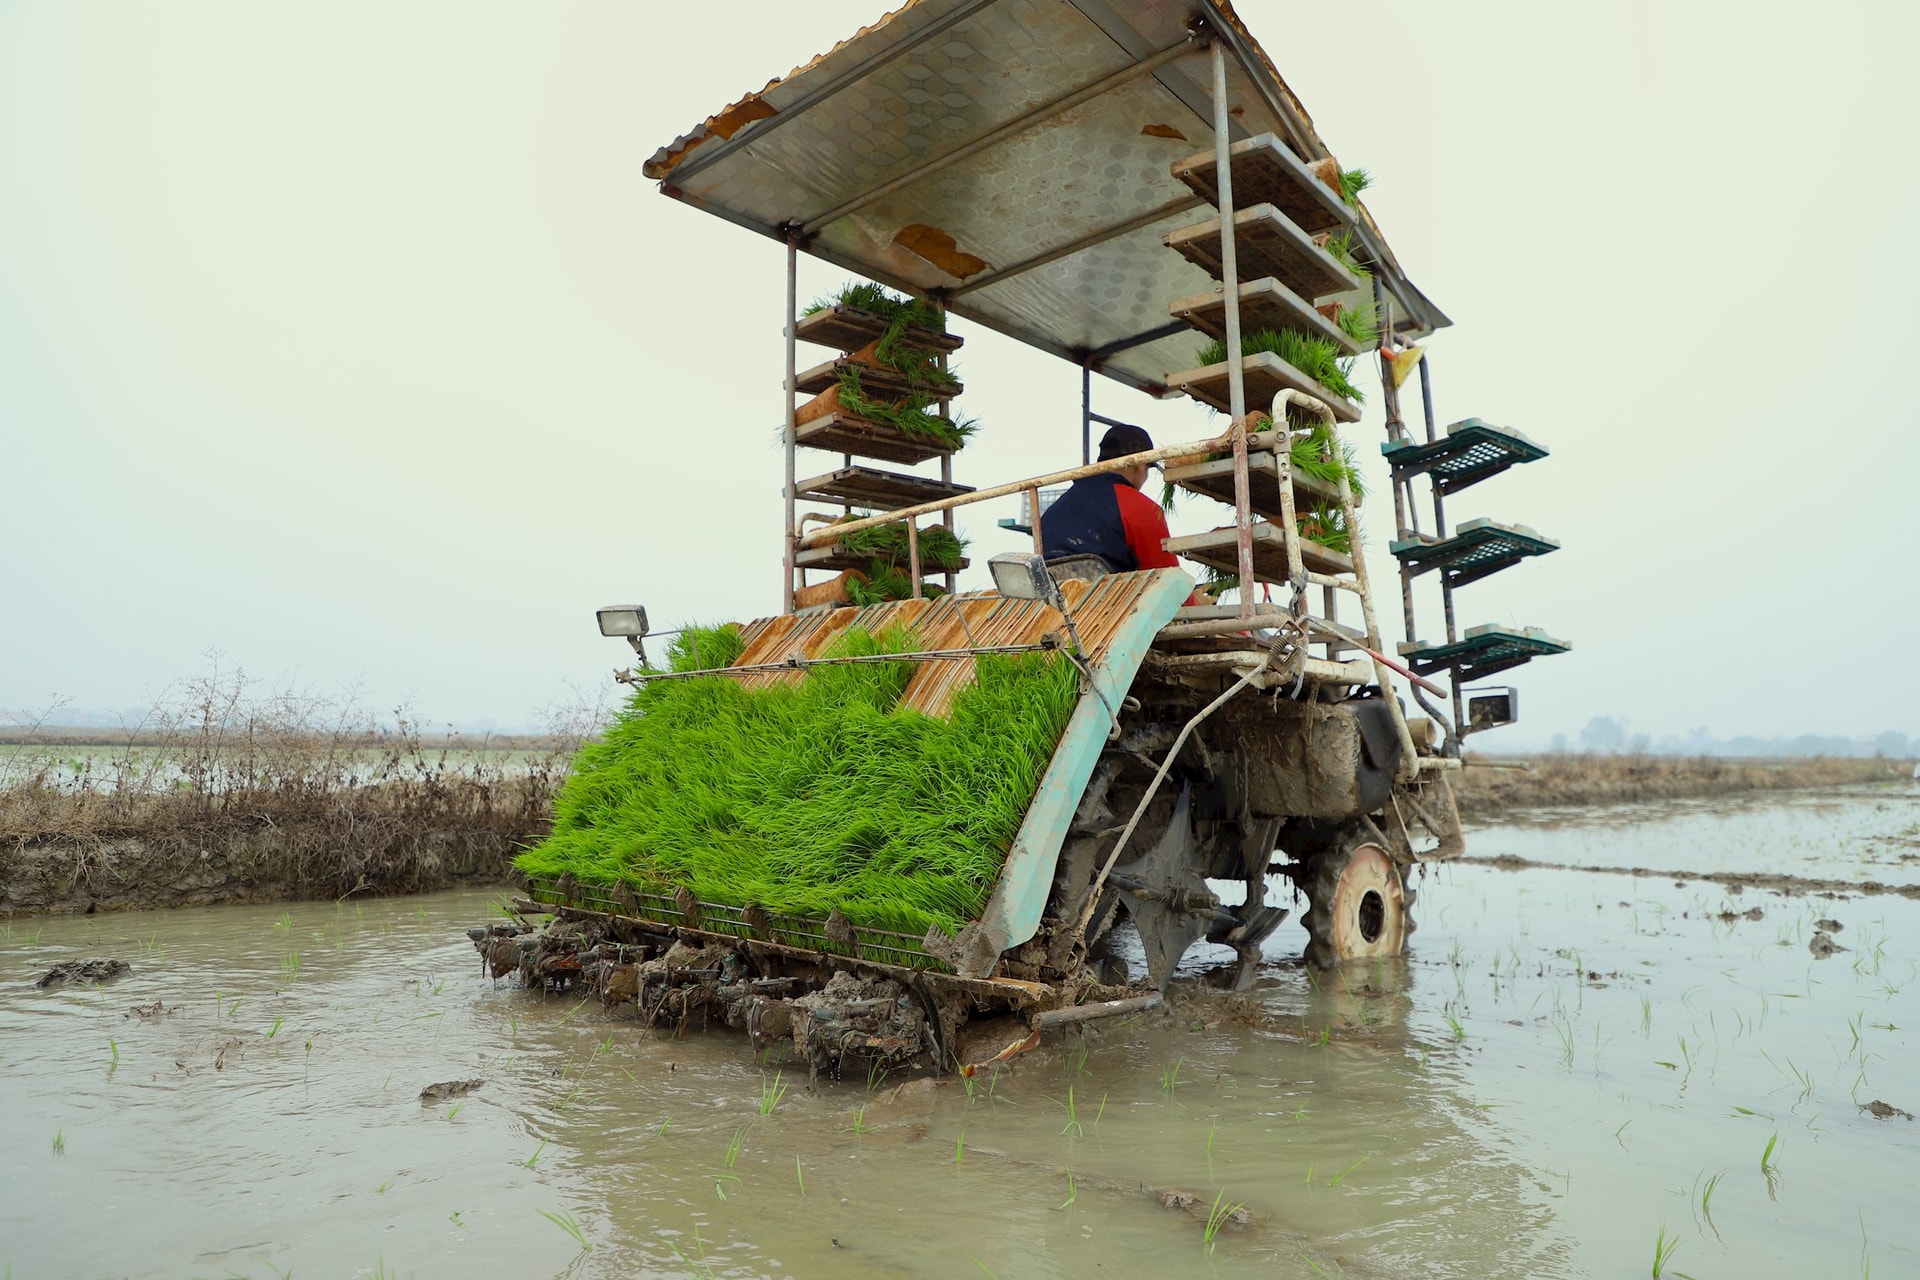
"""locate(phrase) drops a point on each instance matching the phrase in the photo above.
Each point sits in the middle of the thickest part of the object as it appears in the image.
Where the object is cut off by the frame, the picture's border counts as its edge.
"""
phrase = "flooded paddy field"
(1576, 1070)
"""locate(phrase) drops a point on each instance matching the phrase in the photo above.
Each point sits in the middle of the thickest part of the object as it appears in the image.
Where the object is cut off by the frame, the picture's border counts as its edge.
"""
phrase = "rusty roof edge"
(722, 124)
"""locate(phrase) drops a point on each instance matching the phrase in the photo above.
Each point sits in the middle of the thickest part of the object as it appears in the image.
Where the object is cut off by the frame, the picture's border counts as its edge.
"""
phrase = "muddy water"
(1554, 1078)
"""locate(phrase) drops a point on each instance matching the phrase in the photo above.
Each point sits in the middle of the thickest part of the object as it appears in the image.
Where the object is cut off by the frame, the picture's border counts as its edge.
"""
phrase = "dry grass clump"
(817, 795)
(325, 802)
(1631, 779)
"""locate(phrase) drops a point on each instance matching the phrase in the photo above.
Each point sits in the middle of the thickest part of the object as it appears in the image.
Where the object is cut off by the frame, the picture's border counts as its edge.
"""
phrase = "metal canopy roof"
(1010, 157)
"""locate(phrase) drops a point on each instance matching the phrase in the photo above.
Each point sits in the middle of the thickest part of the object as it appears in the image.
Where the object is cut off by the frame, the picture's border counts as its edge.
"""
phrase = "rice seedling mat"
(1214, 479)
(1268, 244)
(1470, 452)
(875, 380)
(1264, 304)
(849, 329)
(1265, 171)
(1483, 651)
(880, 490)
(1220, 549)
(1267, 375)
(1476, 549)
(843, 432)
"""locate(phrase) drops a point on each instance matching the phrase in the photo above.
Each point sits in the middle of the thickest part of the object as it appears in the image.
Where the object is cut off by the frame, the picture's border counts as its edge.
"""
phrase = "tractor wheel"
(1358, 903)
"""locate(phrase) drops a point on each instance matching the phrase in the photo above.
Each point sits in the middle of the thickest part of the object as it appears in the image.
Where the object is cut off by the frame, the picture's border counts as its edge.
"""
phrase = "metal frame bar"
(1046, 111)
(1236, 371)
(789, 437)
(1072, 247)
(759, 129)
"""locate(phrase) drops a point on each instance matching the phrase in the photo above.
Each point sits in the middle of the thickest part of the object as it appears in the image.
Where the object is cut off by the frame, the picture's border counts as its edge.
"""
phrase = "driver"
(1107, 515)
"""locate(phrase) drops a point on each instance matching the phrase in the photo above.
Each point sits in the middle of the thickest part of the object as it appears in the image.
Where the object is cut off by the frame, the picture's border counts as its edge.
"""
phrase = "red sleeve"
(1146, 528)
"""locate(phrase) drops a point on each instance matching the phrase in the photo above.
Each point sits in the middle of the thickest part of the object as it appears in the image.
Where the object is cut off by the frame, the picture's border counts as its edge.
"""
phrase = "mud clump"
(1883, 1111)
(448, 1089)
(1751, 913)
(1828, 926)
(84, 971)
(1822, 945)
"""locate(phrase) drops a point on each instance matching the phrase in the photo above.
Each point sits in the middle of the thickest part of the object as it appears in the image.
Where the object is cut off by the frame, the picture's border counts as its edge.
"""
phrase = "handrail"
(822, 537)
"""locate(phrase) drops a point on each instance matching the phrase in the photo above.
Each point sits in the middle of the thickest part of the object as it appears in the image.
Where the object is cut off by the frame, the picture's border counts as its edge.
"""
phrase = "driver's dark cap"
(1121, 441)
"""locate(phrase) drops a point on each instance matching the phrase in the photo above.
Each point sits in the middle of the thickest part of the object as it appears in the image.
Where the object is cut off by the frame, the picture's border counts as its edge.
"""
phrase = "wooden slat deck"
(1100, 610)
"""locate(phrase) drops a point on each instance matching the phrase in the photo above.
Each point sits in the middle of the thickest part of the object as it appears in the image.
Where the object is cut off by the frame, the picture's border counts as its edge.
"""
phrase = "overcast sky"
(349, 341)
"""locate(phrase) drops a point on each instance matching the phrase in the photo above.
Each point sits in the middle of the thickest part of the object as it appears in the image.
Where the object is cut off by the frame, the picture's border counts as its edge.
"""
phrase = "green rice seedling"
(720, 1181)
(1217, 1217)
(893, 349)
(910, 415)
(1341, 1176)
(876, 1076)
(1361, 323)
(859, 1126)
(940, 547)
(383, 1188)
(1706, 1201)
(1353, 182)
(113, 1047)
(1617, 1132)
(59, 1142)
(1170, 1077)
(1100, 1112)
(1072, 1129)
(1073, 1192)
(274, 1030)
(983, 1266)
(799, 1175)
(1345, 249)
(534, 1159)
(454, 1110)
(816, 795)
(1564, 1034)
(567, 1223)
(386, 1082)
(735, 1146)
(1663, 1247)
(284, 922)
(960, 1148)
(1077, 1060)
(1318, 358)
(771, 1093)
(454, 1218)
(1453, 1021)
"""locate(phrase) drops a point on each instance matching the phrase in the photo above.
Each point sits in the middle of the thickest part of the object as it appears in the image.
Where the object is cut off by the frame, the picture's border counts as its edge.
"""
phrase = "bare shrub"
(327, 799)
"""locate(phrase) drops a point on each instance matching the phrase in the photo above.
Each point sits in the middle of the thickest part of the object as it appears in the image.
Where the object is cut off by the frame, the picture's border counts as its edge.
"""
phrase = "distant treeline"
(1613, 735)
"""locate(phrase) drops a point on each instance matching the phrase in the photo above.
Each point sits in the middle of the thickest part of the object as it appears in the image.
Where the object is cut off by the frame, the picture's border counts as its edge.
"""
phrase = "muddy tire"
(1358, 904)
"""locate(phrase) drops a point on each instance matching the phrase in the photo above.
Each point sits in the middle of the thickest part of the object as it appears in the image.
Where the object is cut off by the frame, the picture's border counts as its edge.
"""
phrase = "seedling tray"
(1268, 244)
(843, 432)
(1215, 480)
(832, 557)
(877, 382)
(1220, 549)
(1484, 651)
(1264, 304)
(850, 329)
(1267, 375)
(1266, 172)
(880, 490)
(1470, 452)
(1477, 548)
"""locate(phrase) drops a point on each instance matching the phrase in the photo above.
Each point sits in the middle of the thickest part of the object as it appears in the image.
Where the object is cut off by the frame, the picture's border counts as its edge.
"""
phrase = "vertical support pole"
(1426, 397)
(1033, 515)
(789, 535)
(946, 459)
(1404, 512)
(913, 556)
(1236, 374)
(1086, 411)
